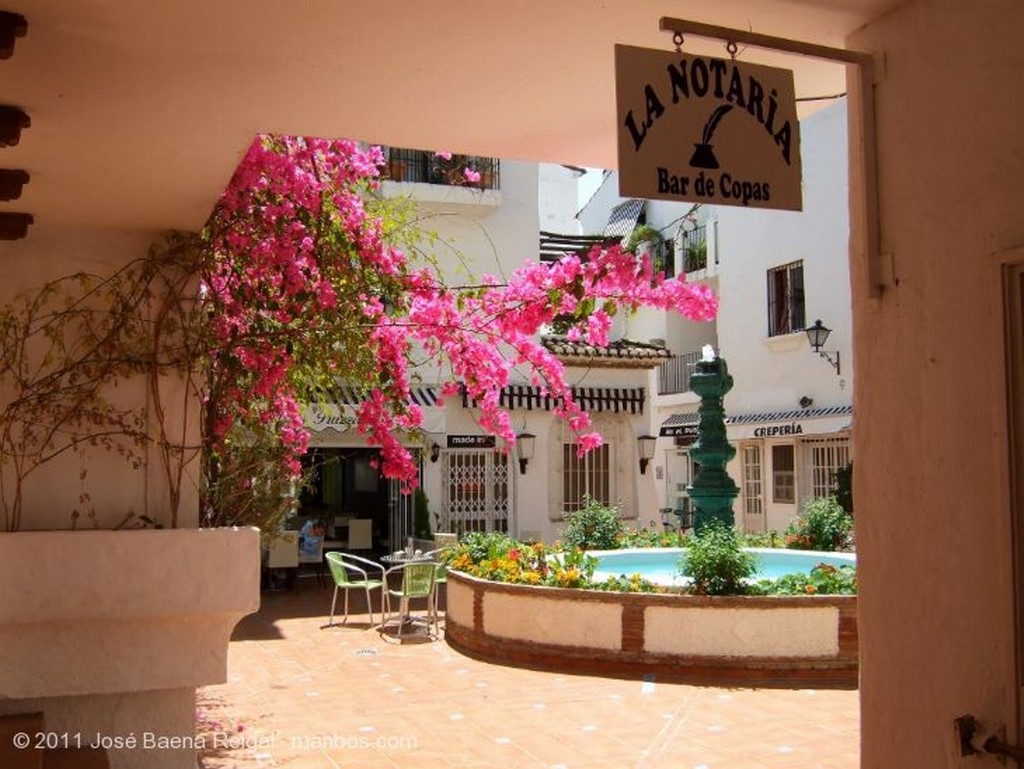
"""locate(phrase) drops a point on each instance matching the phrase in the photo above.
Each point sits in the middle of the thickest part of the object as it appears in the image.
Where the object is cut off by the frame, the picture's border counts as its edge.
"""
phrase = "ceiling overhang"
(140, 111)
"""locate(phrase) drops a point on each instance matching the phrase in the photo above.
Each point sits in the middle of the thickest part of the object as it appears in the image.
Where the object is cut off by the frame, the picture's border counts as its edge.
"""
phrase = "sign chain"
(730, 47)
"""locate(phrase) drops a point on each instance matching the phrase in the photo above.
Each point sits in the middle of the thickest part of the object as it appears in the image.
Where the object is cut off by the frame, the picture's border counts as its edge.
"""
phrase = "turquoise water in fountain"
(661, 565)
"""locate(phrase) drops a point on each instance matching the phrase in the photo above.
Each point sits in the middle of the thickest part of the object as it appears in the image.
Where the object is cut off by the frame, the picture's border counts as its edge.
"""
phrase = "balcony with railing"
(694, 245)
(674, 374)
(420, 166)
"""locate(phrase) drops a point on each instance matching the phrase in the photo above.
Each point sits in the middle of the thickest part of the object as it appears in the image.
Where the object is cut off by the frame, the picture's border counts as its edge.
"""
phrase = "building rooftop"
(624, 353)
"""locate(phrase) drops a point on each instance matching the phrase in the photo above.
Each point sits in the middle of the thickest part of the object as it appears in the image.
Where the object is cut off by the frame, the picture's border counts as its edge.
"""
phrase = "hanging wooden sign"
(700, 129)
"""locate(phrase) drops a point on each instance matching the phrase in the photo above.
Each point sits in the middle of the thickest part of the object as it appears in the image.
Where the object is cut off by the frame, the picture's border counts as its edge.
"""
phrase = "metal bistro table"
(397, 561)
(401, 556)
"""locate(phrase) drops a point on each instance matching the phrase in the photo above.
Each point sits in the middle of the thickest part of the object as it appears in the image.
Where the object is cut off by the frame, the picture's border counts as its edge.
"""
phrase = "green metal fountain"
(712, 489)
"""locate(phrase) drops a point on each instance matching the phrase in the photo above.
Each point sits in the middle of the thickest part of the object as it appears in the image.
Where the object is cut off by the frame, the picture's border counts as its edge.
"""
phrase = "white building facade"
(488, 227)
(789, 413)
(471, 480)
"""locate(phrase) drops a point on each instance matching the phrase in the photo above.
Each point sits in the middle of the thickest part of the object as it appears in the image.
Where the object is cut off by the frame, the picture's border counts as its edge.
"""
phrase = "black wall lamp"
(645, 445)
(435, 451)
(817, 335)
(524, 450)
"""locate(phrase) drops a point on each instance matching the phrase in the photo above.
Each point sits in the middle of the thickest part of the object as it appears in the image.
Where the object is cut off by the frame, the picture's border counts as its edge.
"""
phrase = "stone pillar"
(712, 490)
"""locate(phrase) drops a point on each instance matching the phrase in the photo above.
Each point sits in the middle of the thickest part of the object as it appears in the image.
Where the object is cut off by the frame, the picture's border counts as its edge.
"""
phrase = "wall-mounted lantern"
(645, 445)
(817, 335)
(524, 449)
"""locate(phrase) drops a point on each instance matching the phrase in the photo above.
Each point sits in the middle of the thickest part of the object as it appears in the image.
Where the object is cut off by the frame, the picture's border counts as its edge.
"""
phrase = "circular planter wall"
(754, 639)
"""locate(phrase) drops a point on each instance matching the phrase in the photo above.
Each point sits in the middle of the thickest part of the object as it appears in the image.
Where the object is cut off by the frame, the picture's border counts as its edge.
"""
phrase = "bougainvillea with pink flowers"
(309, 288)
(309, 279)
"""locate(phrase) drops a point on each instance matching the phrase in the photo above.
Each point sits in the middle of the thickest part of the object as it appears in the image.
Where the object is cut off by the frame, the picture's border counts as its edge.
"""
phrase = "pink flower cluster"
(305, 287)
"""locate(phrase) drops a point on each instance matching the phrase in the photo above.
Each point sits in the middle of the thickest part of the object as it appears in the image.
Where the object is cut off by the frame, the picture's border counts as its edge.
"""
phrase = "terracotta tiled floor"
(306, 696)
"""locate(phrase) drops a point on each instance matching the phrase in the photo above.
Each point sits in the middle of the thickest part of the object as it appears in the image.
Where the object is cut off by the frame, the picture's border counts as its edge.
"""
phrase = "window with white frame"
(585, 476)
(786, 299)
(753, 487)
(783, 474)
(823, 458)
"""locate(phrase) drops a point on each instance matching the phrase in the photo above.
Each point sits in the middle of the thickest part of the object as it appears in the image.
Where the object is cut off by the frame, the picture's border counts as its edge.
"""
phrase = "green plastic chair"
(413, 580)
(440, 576)
(350, 572)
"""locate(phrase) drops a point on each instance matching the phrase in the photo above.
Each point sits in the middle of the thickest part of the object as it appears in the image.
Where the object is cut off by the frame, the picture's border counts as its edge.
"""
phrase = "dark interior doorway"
(345, 483)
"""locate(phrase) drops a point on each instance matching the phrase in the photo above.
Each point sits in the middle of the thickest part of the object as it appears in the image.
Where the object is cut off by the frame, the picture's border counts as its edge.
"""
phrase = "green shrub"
(480, 545)
(716, 562)
(421, 515)
(844, 487)
(770, 538)
(623, 584)
(643, 233)
(572, 568)
(824, 579)
(652, 537)
(696, 257)
(821, 525)
(593, 527)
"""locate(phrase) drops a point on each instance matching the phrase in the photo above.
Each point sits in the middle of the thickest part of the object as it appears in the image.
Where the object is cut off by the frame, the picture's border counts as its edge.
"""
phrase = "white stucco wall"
(479, 231)
(545, 620)
(557, 198)
(772, 373)
(459, 603)
(593, 215)
(724, 632)
(934, 523)
(115, 489)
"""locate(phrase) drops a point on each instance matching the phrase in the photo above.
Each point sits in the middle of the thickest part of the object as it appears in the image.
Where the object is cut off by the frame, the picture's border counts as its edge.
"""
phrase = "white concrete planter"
(110, 632)
(756, 639)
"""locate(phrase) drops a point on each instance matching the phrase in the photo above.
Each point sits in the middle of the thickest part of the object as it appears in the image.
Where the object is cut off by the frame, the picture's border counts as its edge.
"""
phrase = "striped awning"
(680, 424)
(353, 396)
(339, 414)
(788, 416)
(622, 219)
(792, 423)
(612, 399)
(829, 419)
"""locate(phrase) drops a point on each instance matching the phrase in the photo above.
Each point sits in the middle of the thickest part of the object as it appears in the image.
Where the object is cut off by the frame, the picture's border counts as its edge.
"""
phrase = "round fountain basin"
(662, 565)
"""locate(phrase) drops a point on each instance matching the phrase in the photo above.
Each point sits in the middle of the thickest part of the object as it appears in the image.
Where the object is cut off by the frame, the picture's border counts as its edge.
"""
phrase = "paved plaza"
(305, 696)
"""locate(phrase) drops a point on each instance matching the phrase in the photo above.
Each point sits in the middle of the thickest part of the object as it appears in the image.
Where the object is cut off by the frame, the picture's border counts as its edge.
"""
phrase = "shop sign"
(672, 431)
(700, 129)
(321, 416)
(471, 441)
(776, 431)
